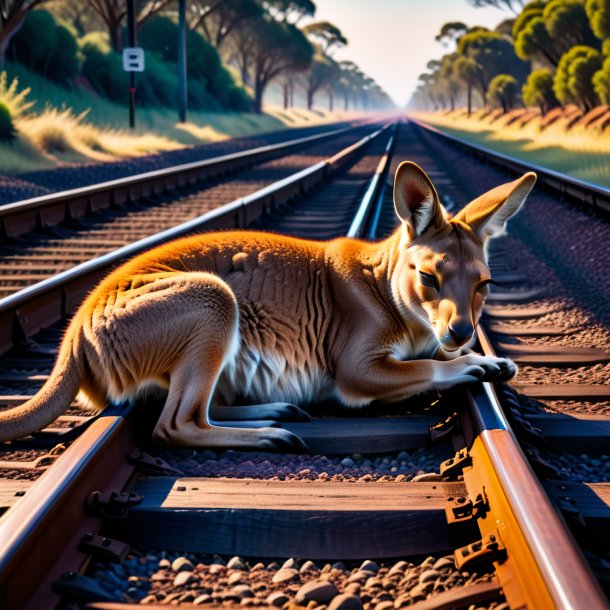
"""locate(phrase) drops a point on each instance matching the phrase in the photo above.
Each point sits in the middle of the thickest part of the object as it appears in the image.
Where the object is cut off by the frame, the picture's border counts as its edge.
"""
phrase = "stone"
(444, 562)
(291, 563)
(216, 568)
(277, 599)
(428, 576)
(339, 565)
(235, 578)
(369, 566)
(182, 564)
(149, 599)
(236, 563)
(371, 582)
(345, 601)
(309, 566)
(420, 591)
(427, 476)
(359, 576)
(399, 566)
(385, 605)
(353, 588)
(217, 559)
(284, 575)
(243, 591)
(182, 578)
(317, 591)
(347, 463)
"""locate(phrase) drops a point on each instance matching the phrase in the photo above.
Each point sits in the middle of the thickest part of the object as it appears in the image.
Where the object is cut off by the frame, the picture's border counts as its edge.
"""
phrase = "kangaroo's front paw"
(490, 368)
(279, 439)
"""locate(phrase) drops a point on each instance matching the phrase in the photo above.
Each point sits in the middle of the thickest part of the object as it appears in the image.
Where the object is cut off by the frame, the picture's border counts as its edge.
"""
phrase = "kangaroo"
(283, 322)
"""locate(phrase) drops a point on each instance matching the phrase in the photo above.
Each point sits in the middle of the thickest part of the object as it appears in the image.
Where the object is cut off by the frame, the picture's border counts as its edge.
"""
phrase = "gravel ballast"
(170, 578)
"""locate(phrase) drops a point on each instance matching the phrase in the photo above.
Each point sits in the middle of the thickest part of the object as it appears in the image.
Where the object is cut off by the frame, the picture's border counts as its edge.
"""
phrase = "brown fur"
(280, 320)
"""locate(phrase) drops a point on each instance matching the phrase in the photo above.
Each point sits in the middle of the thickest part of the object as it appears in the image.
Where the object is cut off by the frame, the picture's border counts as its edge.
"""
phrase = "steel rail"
(21, 217)
(545, 568)
(584, 192)
(22, 314)
(60, 493)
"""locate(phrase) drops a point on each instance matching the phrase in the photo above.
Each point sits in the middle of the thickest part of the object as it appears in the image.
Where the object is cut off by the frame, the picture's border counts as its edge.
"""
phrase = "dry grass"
(564, 140)
(77, 126)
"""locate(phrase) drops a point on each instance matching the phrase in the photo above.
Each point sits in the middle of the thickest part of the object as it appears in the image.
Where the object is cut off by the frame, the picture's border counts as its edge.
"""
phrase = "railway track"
(373, 495)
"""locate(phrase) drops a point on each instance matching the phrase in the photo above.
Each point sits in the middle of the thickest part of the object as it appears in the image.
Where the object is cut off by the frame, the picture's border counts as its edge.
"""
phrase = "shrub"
(104, 68)
(7, 129)
(538, 90)
(573, 79)
(35, 41)
(503, 91)
(64, 64)
(46, 46)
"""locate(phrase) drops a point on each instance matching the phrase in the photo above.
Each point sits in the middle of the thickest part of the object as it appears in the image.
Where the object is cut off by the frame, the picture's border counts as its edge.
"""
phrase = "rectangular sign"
(133, 59)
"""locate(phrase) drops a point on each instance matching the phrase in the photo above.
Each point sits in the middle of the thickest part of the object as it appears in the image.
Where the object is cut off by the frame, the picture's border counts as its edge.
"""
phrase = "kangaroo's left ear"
(487, 214)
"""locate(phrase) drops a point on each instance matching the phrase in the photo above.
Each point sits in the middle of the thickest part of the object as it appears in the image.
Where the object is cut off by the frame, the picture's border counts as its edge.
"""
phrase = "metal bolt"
(87, 537)
(106, 542)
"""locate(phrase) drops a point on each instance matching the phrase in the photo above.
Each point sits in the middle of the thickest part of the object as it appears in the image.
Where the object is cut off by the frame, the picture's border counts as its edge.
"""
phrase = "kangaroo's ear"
(487, 214)
(416, 200)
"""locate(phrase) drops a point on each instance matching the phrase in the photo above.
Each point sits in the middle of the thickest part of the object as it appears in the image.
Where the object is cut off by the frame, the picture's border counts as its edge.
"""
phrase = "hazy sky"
(392, 40)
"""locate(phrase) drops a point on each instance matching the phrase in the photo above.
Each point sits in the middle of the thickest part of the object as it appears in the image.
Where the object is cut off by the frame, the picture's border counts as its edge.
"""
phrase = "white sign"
(133, 59)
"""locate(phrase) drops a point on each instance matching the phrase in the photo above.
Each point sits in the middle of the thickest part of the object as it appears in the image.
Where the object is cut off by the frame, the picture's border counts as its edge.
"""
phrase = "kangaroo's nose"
(461, 331)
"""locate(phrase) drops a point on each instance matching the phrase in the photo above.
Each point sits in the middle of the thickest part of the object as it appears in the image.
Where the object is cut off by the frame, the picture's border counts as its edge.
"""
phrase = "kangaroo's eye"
(429, 281)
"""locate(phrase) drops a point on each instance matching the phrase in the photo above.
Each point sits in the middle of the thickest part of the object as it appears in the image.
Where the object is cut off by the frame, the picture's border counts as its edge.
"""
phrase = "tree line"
(548, 54)
(235, 50)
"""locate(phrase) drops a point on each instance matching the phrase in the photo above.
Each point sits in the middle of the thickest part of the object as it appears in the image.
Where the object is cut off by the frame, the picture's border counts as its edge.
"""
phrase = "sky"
(393, 40)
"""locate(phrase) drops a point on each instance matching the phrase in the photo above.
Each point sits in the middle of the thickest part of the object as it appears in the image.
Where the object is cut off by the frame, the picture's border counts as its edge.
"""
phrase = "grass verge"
(565, 140)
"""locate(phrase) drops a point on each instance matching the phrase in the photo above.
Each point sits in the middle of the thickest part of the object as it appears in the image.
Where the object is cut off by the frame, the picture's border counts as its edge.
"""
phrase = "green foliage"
(47, 47)
(104, 68)
(567, 21)
(212, 85)
(35, 41)
(573, 80)
(531, 37)
(451, 31)
(601, 82)
(7, 129)
(538, 90)
(64, 63)
(503, 90)
(493, 55)
(598, 12)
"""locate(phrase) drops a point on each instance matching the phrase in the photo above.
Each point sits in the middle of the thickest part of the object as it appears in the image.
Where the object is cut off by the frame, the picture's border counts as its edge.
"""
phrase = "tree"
(468, 70)
(505, 28)
(601, 82)
(12, 14)
(511, 5)
(325, 34)
(531, 37)
(218, 18)
(567, 21)
(114, 12)
(269, 50)
(451, 32)
(538, 90)
(493, 54)
(573, 79)
(598, 12)
(503, 90)
(290, 11)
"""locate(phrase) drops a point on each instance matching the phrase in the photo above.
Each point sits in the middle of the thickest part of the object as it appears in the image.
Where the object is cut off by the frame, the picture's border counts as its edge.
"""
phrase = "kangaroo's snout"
(461, 331)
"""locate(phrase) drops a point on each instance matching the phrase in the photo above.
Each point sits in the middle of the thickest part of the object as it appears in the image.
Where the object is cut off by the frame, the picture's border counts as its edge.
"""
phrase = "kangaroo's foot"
(211, 437)
(277, 411)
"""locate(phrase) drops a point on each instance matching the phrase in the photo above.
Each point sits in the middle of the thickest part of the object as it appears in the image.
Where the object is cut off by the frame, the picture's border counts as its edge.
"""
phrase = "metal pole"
(131, 35)
(182, 61)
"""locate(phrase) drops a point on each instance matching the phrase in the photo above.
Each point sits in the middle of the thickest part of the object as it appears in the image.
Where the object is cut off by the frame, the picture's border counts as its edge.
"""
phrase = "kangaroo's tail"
(50, 401)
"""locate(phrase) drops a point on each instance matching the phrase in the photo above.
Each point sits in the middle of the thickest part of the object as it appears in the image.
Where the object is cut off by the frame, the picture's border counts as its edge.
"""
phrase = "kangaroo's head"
(441, 275)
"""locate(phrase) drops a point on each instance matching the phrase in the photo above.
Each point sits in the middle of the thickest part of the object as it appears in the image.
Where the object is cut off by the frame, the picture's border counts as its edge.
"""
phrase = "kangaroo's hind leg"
(210, 338)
